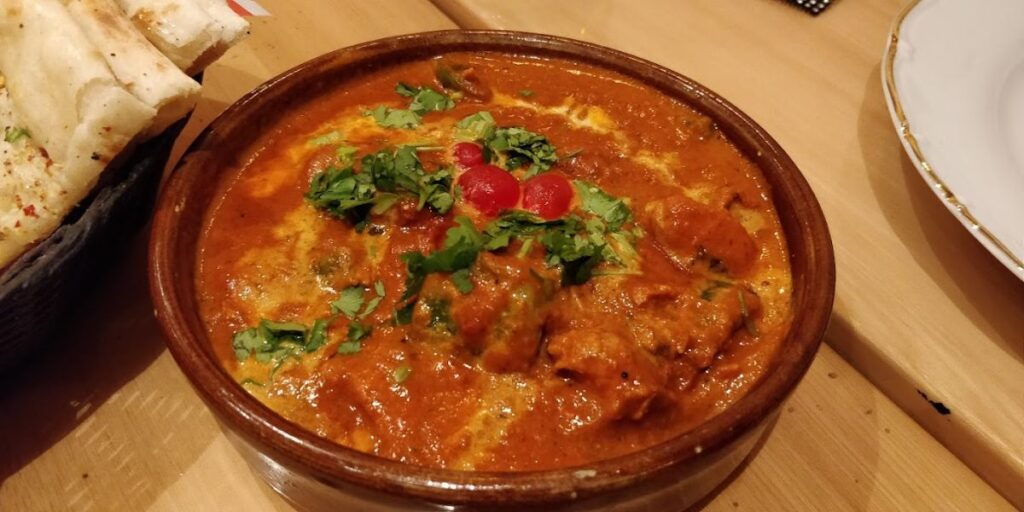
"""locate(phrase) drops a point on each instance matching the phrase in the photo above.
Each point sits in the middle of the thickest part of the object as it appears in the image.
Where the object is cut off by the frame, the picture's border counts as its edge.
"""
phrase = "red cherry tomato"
(490, 189)
(548, 195)
(468, 154)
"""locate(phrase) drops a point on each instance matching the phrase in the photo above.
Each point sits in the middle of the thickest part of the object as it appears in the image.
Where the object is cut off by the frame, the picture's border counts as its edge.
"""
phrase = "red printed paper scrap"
(248, 8)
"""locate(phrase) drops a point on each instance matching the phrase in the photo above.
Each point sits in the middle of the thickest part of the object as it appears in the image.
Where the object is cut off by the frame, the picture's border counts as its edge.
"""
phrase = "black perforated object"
(42, 285)
(814, 7)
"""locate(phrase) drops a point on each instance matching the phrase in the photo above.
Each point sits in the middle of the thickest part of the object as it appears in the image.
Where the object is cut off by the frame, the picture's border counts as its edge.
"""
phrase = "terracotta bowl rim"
(336, 465)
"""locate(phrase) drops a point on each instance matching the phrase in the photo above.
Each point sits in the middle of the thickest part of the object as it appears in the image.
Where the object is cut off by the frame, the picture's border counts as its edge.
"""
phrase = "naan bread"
(85, 79)
(32, 187)
(67, 98)
(192, 33)
(233, 26)
(145, 72)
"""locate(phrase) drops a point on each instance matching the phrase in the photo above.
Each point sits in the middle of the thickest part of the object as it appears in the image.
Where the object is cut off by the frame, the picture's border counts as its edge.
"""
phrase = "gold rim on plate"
(927, 171)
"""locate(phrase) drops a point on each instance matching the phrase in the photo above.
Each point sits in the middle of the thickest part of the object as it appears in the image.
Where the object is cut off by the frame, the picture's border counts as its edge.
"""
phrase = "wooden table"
(103, 420)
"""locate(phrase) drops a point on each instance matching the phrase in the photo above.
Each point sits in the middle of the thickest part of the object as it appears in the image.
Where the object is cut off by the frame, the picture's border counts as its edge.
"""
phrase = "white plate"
(953, 75)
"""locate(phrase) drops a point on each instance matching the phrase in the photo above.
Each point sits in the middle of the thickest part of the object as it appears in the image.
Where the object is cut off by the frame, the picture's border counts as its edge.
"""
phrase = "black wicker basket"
(38, 290)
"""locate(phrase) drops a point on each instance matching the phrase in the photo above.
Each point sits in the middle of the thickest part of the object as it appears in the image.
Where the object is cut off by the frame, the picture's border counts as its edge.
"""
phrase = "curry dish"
(495, 263)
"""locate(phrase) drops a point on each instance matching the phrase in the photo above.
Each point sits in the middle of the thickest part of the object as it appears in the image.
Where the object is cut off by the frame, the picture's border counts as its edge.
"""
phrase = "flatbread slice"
(66, 97)
(181, 29)
(233, 26)
(145, 71)
(32, 187)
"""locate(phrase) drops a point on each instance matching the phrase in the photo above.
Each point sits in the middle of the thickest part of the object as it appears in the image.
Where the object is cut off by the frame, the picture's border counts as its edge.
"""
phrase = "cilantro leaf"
(415, 274)
(526, 93)
(13, 134)
(285, 329)
(479, 126)
(406, 90)
(461, 247)
(577, 253)
(274, 341)
(355, 196)
(350, 347)
(522, 147)
(346, 155)
(513, 224)
(372, 304)
(350, 301)
(353, 343)
(317, 335)
(393, 117)
(343, 193)
(461, 280)
(401, 171)
(425, 99)
(614, 211)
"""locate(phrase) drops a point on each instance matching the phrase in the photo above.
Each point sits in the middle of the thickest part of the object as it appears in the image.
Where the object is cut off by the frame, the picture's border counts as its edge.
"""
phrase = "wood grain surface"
(921, 308)
(103, 420)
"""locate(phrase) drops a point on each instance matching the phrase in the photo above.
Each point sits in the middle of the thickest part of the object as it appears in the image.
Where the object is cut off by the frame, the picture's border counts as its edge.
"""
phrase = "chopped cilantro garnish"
(317, 335)
(614, 211)
(479, 126)
(355, 196)
(424, 99)
(353, 343)
(522, 147)
(350, 347)
(461, 280)
(461, 246)
(519, 146)
(13, 134)
(372, 304)
(343, 193)
(513, 224)
(346, 155)
(401, 171)
(394, 117)
(276, 340)
(575, 244)
(524, 249)
(350, 301)
(577, 253)
(383, 202)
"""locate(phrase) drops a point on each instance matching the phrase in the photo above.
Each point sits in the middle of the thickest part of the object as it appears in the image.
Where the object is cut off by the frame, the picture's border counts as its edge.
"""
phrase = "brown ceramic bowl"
(316, 473)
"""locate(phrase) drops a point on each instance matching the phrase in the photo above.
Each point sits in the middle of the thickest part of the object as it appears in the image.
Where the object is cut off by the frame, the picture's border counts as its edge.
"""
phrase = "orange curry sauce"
(522, 373)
